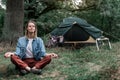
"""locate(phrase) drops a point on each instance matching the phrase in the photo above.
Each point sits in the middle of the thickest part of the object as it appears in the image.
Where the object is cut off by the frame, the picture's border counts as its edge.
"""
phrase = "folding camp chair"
(102, 39)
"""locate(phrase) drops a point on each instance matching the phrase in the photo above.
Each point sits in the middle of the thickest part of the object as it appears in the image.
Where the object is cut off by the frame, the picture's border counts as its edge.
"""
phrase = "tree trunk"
(14, 17)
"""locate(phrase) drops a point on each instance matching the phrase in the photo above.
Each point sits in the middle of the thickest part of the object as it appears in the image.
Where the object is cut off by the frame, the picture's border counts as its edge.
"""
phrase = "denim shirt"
(38, 48)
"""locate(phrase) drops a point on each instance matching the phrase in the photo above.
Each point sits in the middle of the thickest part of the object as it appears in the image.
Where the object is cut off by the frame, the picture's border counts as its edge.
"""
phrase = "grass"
(85, 63)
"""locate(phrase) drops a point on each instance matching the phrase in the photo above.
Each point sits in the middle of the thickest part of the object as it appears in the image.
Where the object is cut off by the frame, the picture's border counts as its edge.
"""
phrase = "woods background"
(104, 14)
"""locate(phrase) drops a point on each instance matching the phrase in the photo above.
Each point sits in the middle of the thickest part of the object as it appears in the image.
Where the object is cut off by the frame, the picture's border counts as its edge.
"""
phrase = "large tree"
(14, 17)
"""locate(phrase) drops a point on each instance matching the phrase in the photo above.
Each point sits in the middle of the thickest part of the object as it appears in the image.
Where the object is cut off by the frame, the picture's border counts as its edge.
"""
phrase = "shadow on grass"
(8, 72)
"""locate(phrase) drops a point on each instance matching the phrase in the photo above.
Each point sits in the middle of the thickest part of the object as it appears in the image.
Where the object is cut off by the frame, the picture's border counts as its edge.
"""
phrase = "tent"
(77, 30)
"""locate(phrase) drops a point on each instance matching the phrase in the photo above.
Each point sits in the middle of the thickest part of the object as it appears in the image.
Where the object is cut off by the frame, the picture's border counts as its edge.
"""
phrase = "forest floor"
(85, 63)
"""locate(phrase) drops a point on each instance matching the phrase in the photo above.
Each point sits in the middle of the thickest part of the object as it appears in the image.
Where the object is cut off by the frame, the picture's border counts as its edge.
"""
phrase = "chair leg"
(109, 44)
(97, 45)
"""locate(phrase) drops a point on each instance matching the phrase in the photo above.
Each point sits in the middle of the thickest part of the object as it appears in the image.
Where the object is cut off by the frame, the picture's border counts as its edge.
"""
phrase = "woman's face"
(31, 27)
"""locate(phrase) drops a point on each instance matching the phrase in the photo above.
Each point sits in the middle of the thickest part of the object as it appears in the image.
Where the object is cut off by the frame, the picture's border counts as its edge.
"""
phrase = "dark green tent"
(76, 29)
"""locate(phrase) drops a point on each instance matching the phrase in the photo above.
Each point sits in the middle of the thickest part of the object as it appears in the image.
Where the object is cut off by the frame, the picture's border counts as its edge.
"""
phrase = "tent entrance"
(76, 33)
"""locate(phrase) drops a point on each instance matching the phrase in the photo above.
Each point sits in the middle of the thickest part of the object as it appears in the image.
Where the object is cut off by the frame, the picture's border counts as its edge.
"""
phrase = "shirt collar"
(33, 38)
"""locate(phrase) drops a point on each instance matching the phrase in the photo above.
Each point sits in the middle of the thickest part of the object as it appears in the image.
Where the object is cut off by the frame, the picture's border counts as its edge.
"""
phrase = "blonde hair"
(26, 31)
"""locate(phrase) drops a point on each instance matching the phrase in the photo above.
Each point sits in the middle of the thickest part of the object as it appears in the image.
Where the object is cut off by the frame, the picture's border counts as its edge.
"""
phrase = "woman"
(30, 54)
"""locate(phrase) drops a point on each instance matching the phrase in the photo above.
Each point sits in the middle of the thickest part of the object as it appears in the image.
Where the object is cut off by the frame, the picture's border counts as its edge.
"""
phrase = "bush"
(49, 21)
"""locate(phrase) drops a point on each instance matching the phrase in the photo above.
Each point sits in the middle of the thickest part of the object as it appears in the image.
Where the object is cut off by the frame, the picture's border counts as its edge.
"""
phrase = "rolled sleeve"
(17, 52)
(42, 48)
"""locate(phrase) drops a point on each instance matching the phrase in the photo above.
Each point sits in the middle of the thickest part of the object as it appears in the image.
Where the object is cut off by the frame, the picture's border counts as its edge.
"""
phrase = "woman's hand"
(8, 54)
(53, 55)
